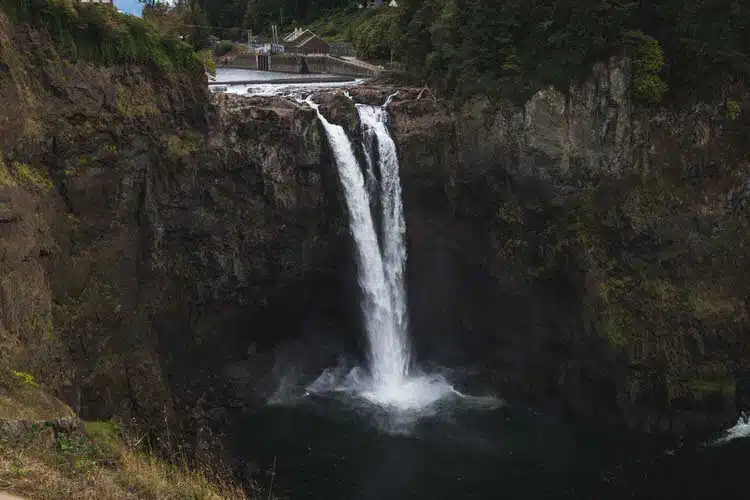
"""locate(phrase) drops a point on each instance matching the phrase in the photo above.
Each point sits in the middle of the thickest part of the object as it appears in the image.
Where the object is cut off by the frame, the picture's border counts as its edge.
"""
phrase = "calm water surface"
(338, 449)
(228, 75)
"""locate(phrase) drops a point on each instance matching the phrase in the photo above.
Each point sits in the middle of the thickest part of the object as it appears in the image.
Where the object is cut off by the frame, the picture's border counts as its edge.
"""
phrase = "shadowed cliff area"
(599, 246)
(146, 233)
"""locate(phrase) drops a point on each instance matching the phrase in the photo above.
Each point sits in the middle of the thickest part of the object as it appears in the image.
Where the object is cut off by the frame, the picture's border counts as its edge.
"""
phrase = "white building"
(371, 4)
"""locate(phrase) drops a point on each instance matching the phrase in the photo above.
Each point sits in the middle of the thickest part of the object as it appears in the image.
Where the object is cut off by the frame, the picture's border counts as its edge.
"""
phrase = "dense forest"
(471, 45)
(466, 46)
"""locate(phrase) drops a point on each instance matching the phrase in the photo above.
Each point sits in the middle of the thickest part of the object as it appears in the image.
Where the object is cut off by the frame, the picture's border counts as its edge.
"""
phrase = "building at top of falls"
(370, 4)
(305, 42)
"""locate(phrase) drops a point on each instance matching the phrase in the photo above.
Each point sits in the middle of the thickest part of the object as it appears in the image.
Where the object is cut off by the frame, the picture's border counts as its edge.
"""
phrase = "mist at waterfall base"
(385, 429)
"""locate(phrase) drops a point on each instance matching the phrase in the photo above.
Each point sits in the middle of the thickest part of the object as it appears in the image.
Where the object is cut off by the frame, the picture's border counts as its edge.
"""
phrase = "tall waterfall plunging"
(390, 353)
(381, 262)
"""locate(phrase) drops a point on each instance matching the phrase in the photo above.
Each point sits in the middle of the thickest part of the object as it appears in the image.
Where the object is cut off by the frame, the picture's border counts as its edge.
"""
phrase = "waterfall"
(393, 225)
(381, 265)
(383, 317)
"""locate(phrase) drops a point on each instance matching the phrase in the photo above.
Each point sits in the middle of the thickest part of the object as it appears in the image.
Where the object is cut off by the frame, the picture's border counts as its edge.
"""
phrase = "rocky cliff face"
(147, 234)
(594, 249)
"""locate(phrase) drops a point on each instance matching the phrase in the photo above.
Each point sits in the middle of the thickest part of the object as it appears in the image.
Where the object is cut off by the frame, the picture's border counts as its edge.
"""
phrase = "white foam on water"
(740, 431)
(284, 90)
(412, 394)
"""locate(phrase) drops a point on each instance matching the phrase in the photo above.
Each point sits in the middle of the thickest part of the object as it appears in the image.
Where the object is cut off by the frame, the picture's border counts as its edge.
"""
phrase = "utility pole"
(281, 16)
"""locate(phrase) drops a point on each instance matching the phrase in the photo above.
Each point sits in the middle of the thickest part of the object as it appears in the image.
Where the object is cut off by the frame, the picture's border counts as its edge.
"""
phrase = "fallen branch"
(428, 90)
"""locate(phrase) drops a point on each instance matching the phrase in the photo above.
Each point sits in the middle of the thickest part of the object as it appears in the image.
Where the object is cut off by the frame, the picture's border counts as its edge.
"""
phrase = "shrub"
(99, 34)
(27, 378)
(6, 180)
(101, 464)
(378, 35)
(734, 109)
(181, 146)
(223, 48)
(649, 88)
(648, 62)
(208, 61)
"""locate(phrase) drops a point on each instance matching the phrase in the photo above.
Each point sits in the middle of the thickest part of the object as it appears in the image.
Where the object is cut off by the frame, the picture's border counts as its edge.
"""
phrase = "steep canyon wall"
(595, 249)
(145, 232)
(578, 248)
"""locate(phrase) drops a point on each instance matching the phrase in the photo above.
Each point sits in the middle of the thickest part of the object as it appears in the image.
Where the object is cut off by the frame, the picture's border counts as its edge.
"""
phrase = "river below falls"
(334, 449)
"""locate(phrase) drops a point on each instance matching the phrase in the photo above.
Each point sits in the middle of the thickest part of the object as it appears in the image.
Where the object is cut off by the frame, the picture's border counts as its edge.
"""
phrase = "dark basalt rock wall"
(584, 249)
(149, 236)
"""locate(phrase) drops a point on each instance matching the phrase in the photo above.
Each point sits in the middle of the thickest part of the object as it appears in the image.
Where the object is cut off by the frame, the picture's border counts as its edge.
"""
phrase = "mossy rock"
(180, 146)
(22, 174)
(21, 398)
(32, 177)
(136, 103)
(701, 388)
(6, 179)
(106, 436)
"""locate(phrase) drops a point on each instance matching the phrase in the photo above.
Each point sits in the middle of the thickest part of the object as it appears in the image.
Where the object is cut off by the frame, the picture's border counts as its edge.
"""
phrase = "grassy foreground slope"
(46, 454)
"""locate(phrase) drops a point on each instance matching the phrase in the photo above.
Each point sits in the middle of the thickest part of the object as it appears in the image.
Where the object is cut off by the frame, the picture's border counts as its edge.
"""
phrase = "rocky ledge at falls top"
(161, 249)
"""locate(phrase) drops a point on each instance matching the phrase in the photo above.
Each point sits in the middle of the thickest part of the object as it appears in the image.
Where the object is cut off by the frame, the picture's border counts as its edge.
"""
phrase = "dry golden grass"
(22, 399)
(158, 480)
(38, 467)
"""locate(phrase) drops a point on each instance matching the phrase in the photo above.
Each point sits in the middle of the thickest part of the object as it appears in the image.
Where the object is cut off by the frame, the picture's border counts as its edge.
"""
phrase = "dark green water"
(337, 449)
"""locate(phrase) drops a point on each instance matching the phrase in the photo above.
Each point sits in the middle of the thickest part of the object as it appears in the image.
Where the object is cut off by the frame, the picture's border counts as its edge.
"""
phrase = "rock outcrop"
(149, 235)
(595, 250)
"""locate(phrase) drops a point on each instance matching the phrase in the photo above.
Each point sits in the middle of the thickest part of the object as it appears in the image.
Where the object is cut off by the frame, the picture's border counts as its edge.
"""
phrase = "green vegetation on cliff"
(470, 46)
(374, 32)
(21, 398)
(511, 47)
(651, 283)
(23, 174)
(99, 34)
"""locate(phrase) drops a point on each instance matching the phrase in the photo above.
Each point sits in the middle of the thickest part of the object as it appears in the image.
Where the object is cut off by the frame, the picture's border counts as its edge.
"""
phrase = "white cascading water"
(386, 349)
(739, 431)
(393, 244)
(381, 270)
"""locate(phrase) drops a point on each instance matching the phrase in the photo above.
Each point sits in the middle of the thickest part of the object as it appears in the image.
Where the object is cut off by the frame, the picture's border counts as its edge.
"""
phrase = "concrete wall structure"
(290, 63)
(313, 45)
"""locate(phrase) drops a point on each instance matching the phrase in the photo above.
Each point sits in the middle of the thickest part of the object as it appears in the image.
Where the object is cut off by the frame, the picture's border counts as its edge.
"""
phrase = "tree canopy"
(464, 44)
(468, 46)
